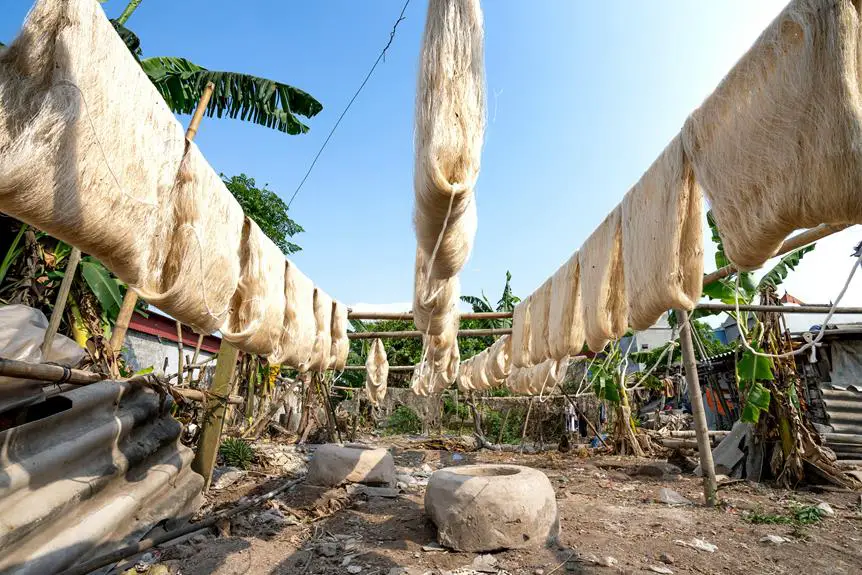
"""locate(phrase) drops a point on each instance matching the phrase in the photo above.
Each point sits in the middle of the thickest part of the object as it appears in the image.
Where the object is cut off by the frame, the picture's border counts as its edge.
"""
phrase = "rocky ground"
(612, 516)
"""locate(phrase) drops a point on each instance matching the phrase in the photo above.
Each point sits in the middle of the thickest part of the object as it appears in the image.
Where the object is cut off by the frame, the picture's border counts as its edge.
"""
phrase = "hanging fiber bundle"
(376, 372)
(565, 316)
(602, 282)
(521, 321)
(340, 343)
(662, 239)
(89, 150)
(434, 300)
(300, 327)
(320, 356)
(545, 376)
(540, 308)
(778, 145)
(450, 125)
(465, 376)
(477, 374)
(518, 379)
(499, 360)
(256, 320)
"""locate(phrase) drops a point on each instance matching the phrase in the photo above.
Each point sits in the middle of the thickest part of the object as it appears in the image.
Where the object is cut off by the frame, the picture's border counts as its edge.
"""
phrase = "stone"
(825, 509)
(660, 469)
(353, 569)
(607, 561)
(327, 549)
(666, 558)
(432, 547)
(660, 569)
(334, 465)
(773, 539)
(480, 508)
(698, 544)
(224, 477)
(671, 497)
(484, 564)
(539, 572)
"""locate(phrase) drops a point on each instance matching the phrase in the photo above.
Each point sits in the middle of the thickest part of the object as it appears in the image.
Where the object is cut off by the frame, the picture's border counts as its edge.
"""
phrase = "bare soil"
(607, 511)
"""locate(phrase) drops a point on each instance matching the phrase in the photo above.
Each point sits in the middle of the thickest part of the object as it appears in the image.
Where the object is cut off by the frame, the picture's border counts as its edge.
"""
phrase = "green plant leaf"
(144, 371)
(750, 414)
(759, 396)
(258, 100)
(785, 265)
(720, 258)
(12, 253)
(752, 367)
(129, 38)
(103, 286)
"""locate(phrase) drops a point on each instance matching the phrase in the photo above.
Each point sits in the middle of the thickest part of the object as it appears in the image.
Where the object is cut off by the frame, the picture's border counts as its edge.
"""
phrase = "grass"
(403, 421)
(799, 515)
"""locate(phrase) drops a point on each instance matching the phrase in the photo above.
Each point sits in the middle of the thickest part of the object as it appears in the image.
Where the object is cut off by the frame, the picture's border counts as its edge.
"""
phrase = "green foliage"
(799, 515)
(249, 98)
(130, 39)
(605, 376)
(455, 411)
(807, 514)
(785, 265)
(403, 421)
(266, 209)
(236, 452)
(757, 517)
(12, 252)
(493, 421)
(750, 371)
(104, 286)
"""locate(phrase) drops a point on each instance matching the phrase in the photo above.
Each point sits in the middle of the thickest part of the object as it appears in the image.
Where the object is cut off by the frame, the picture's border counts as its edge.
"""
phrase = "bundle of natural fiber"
(434, 300)
(376, 372)
(478, 374)
(777, 147)
(256, 319)
(545, 376)
(300, 327)
(500, 360)
(89, 151)
(662, 239)
(540, 308)
(450, 125)
(517, 380)
(565, 317)
(602, 282)
(521, 321)
(465, 376)
(340, 343)
(321, 354)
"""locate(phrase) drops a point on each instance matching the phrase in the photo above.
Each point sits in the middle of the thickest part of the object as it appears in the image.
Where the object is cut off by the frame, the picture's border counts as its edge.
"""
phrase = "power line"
(382, 56)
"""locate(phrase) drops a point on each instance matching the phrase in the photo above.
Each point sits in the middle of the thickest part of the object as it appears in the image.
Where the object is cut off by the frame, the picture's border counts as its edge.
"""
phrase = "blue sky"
(582, 97)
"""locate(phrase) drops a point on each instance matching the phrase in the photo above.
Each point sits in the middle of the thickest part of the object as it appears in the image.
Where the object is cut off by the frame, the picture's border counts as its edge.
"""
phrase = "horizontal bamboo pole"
(47, 372)
(392, 368)
(799, 240)
(816, 309)
(197, 395)
(418, 334)
(405, 316)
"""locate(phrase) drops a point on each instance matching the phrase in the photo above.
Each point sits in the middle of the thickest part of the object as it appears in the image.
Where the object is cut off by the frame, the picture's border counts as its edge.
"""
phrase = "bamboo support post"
(503, 426)
(419, 334)
(130, 300)
(198, 348)
(701, 431)
(222, 385)
(180, 348)
(60, 302)
(408, 316)
(47, 372)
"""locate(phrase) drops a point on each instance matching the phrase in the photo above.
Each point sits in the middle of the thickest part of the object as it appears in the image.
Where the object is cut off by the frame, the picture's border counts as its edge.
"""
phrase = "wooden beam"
(704, 447)
(813, 309)
(799, 240)
(408, 316)
(205, 456)
(418, 334)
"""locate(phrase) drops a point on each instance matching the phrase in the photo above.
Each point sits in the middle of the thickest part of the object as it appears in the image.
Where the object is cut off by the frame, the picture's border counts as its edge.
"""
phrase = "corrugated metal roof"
(97, 475)
(844, 415)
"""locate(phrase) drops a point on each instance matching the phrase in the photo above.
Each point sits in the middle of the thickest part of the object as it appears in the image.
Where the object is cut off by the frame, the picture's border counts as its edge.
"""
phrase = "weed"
(403, 421)
(236, 452)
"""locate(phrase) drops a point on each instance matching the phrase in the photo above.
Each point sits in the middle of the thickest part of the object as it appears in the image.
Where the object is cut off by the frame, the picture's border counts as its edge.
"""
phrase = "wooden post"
(131, 298)
(205, 457)
(180, 348)
(60, 302)
(704, 448)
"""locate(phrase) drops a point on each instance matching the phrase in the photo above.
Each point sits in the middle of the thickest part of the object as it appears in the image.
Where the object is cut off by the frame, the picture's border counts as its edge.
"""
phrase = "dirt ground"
(611, 522)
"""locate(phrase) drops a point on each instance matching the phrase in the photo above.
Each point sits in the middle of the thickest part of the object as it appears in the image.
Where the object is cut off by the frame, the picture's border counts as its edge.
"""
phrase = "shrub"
(236, 452)
(403, 420)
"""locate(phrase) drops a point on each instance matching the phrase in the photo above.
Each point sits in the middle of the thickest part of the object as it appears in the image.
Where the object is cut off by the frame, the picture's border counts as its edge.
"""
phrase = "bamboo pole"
(799, 240)
(408, 316)
(131, 298)
(60, 302)
(205, 456)
(701, 431)
(47, 372)
(197, 395)
(419, 334)
(180, 349)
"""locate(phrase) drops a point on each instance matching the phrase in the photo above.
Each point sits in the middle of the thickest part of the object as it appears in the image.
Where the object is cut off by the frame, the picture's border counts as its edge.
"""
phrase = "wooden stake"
(60, 302)
(704, 448)
(130, 300)
(180, 348)
(205, 456)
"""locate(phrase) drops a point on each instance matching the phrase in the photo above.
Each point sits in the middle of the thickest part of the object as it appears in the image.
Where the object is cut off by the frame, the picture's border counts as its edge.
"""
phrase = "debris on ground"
(698, 544)
(671, 497)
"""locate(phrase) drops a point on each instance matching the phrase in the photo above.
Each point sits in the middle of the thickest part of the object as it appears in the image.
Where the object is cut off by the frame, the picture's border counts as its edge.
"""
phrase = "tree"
(250, 98)
(266, 209)
(472, 345)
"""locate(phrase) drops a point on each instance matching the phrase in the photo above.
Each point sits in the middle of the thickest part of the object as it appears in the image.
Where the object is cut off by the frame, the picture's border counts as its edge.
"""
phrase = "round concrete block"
(334, 465)
(490, 507)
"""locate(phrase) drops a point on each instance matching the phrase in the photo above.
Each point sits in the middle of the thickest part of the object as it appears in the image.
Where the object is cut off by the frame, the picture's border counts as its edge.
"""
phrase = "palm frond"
(479, 305)
(250, 98)
(785, 265)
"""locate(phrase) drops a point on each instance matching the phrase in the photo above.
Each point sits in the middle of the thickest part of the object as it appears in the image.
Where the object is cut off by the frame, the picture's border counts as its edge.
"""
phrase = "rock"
(335, 465)
(181, 551)
(666, 558)
(660, 469)
(607, 561)
(388, 492)
(660, 569)
(539, 572)
(353, 569)
(484, 564)
(489, 507)
(774, 539)
(826, 509)
(698, 544)
(588, 558)
(327, 549)
(671, 497)
(432, 547)
(224, 477)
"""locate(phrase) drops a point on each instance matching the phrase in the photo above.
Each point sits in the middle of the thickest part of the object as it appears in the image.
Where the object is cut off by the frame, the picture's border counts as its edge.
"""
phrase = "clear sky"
(582, 97)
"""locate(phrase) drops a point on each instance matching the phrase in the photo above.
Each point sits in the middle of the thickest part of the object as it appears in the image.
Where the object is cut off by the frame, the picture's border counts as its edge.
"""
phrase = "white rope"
(743, 331)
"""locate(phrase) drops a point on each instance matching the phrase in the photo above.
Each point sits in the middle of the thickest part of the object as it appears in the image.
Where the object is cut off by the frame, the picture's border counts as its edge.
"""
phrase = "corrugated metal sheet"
(95, 476)
(844, 415)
